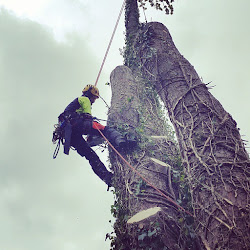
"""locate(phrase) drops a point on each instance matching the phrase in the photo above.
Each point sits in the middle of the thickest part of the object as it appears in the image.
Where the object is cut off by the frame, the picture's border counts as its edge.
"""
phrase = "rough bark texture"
(136, 110)
(216, 162)
(132, 18)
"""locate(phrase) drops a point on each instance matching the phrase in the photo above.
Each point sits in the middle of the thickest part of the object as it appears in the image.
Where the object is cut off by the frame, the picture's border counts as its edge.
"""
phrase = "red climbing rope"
(110, 42)
(148, 182)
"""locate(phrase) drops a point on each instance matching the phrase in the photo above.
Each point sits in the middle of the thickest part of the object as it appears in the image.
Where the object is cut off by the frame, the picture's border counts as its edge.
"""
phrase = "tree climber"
(79, 121)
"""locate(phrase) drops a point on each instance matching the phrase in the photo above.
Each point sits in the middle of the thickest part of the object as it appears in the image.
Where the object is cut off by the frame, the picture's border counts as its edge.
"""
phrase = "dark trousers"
(80, 127)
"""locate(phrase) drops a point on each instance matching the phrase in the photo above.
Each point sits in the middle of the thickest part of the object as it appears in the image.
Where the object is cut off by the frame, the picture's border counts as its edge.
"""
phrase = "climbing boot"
(108, 180)
(127, 145)
(94, 140)
(116, 138)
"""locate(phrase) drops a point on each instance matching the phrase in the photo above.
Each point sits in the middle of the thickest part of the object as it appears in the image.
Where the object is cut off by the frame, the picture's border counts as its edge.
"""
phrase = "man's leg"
(85, 151)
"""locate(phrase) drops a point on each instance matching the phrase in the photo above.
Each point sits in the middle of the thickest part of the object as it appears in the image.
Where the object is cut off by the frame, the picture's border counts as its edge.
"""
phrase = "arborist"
(77, 120)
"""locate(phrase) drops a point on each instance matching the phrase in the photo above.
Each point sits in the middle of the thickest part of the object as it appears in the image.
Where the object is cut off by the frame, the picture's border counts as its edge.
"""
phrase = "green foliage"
(163, 5)
(129, 54)
(150, 239)
(120, 212)
(141, 186)
(180, 184)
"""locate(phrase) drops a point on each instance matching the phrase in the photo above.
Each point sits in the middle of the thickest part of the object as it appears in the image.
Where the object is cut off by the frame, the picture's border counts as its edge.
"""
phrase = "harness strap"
(68, 132)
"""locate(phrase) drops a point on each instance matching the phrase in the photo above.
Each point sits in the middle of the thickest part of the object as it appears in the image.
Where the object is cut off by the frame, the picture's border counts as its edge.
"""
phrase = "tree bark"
(131, 17)
(134, 109)
(132, 25)
(216, 162)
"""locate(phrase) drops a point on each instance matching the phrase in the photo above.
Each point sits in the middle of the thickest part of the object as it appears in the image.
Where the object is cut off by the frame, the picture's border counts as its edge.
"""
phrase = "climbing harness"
(62, 133)
(67, 136)
(110, 42)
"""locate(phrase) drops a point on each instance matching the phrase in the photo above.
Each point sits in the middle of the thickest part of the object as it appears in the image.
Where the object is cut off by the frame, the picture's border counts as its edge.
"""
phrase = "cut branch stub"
(145, 214)
(160, 162)
(159, 137)
(168, 172)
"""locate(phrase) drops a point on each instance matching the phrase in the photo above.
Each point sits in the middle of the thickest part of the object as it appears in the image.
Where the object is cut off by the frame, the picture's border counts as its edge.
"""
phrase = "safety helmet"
(92, 89)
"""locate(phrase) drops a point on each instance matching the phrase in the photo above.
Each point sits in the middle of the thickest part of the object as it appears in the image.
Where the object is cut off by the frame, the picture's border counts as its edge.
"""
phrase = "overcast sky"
(49, 49)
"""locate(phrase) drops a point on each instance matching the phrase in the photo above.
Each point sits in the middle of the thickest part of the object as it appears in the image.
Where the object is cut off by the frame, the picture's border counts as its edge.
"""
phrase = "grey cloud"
(60, 204)
(44, 203)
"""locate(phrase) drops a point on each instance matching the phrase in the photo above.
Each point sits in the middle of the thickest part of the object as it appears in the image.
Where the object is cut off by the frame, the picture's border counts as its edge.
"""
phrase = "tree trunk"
(216, 162)
(131, 17)
(132, 27)
(135, 111)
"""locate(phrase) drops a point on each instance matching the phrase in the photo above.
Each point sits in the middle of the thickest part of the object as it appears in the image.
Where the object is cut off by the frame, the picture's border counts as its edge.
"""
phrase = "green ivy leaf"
(142, 236)
(150, 234)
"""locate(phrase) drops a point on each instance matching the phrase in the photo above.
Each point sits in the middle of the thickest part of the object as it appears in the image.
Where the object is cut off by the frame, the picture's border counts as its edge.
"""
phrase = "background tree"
(212, 151)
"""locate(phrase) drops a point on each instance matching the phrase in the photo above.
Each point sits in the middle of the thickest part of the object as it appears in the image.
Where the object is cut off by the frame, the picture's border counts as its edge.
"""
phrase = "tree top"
(163, 5)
